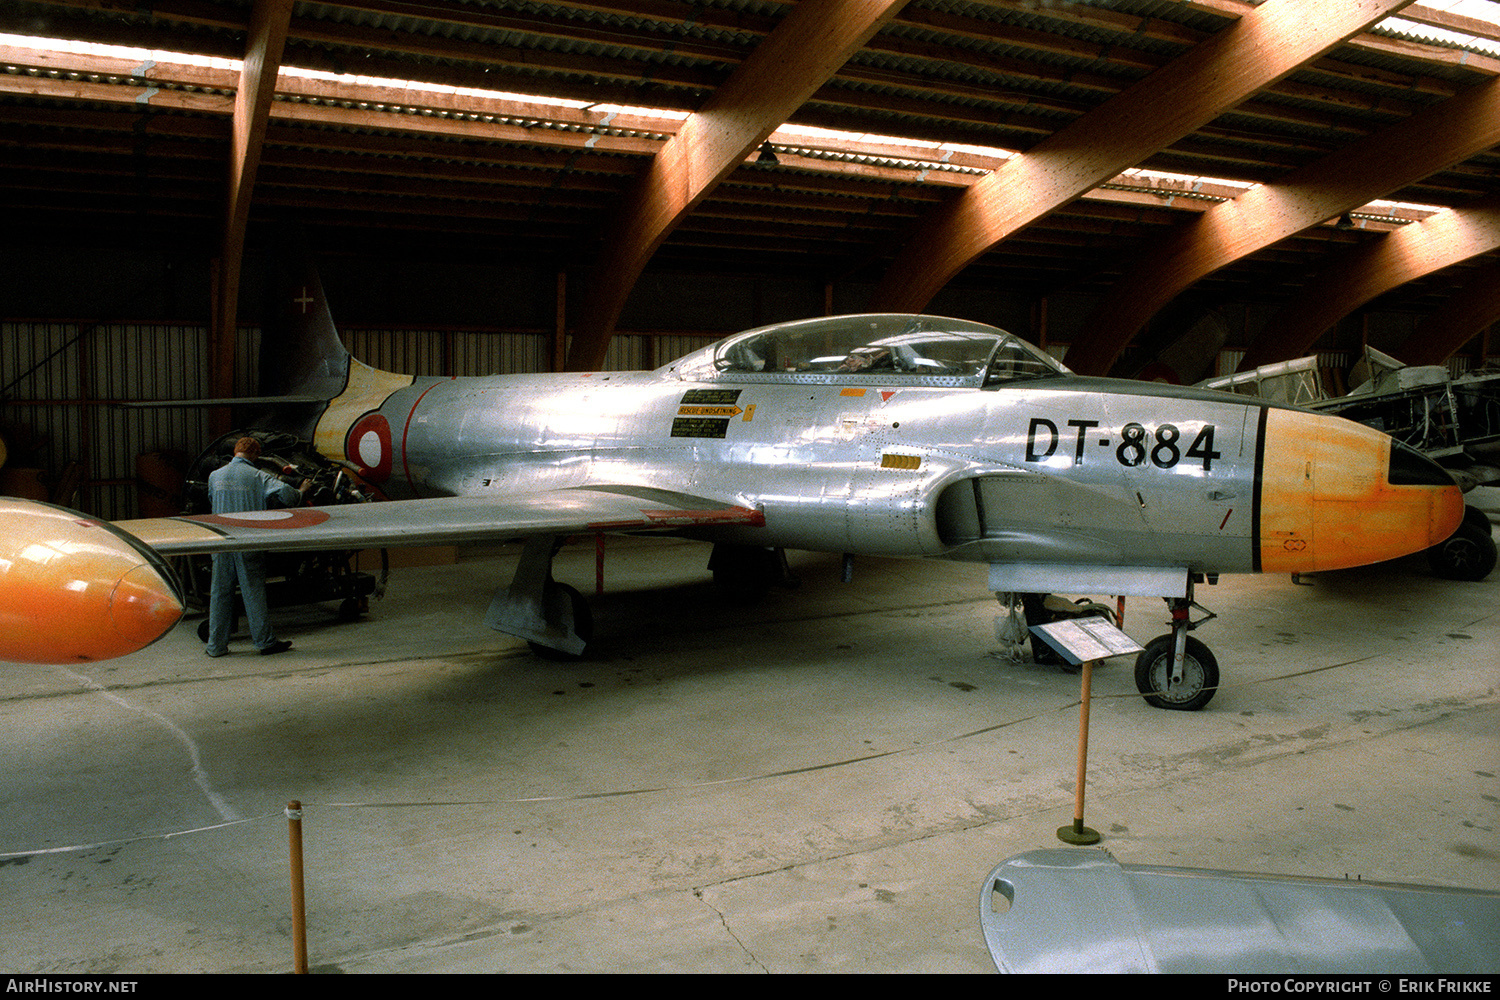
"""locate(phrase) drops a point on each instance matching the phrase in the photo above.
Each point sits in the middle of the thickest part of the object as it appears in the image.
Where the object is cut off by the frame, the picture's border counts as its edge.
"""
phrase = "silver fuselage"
(885, 435)
(917, 436)
(1060, 469)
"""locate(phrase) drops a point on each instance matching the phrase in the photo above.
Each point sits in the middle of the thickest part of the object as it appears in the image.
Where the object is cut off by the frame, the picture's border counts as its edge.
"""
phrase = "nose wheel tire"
(1153, 675)
(1468, 555)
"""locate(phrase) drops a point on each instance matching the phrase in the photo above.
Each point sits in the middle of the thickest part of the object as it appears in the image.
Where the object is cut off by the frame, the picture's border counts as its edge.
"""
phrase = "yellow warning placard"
(709, 411)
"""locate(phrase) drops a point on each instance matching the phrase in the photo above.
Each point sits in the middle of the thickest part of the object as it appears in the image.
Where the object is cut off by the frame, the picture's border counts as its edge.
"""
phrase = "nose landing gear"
(1175, 670)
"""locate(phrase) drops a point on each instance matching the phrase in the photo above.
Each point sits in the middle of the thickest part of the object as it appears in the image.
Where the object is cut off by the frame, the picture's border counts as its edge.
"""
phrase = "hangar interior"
(1153, 189)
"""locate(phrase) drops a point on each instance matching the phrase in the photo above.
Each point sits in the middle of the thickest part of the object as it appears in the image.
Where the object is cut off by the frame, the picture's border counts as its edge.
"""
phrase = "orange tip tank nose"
(73, 589)
(143, 606)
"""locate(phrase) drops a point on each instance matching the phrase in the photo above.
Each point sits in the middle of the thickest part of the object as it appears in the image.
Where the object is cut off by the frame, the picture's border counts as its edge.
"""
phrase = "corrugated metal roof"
(1059, 19)
(1001, 74)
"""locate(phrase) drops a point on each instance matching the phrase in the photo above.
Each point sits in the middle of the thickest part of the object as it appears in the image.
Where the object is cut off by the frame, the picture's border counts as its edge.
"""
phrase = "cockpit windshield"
(892, 349)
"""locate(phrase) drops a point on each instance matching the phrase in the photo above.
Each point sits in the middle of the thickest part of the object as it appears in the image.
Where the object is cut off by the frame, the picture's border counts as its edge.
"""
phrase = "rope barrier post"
(299, 917)
(1077, 833)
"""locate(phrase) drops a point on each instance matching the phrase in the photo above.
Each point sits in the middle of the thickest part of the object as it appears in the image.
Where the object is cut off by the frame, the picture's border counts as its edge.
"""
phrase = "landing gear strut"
(1175, 670)
(552, 617)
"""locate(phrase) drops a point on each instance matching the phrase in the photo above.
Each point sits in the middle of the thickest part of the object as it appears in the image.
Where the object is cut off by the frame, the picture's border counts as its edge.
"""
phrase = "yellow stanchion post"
(1077, 833)
(299, 917)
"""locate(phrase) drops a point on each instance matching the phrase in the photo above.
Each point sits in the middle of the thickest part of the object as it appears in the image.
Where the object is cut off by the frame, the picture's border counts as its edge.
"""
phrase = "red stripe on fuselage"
(405, 428)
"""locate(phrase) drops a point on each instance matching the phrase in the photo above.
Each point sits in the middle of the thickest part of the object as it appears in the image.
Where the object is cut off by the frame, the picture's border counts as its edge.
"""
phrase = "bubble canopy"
(891, 349)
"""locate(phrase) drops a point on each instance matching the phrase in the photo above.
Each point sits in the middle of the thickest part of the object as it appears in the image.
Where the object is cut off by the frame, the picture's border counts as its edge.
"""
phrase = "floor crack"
(724, 922)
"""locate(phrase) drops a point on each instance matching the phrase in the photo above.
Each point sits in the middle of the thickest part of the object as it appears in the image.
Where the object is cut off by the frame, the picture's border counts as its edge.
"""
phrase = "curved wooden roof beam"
(804, 51)
(1373, 167)
(1361, 273)
(1263, 46)
(269, 20)
(1464, 316)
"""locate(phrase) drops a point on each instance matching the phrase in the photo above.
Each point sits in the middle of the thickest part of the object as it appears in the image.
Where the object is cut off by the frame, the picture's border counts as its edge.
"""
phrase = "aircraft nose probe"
(73, 589)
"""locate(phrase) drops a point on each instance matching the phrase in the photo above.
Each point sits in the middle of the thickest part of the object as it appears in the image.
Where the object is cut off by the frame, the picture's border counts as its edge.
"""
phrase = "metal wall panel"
(61, 380)
(483, 353)
(39, 374)
(670, 347)
(450, 352)
(130, 362)
(410, 352)
(246, 362)
(625, 354)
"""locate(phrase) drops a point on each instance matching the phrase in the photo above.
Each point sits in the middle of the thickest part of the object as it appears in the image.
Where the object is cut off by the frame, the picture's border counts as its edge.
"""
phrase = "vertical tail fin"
(335, 399)
(300, 350)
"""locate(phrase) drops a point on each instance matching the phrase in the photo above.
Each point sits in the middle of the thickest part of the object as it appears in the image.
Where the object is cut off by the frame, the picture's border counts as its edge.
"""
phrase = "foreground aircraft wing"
(76, 589)
(1070, 910)
(437, 521)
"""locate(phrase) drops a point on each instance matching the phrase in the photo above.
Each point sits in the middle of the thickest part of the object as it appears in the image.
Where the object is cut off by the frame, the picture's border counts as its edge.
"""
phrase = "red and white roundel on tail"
(368, 446)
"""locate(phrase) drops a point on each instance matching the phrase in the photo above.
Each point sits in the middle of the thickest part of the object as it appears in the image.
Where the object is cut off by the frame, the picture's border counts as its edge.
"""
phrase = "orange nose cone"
(1447, 515)
(143, 606)
(73, 590)
(1336, 494)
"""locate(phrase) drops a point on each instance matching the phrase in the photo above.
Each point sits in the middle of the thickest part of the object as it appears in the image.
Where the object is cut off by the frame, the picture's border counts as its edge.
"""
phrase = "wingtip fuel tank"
(73, 589)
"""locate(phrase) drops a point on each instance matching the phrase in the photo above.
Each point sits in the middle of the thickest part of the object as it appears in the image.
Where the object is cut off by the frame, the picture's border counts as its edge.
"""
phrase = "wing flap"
(437, 521)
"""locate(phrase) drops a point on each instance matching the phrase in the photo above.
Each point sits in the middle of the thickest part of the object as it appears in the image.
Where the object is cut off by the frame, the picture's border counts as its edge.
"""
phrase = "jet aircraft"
(884, 435)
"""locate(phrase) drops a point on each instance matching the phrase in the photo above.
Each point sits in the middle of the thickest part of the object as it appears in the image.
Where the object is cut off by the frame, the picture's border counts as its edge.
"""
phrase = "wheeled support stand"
(1175, 670)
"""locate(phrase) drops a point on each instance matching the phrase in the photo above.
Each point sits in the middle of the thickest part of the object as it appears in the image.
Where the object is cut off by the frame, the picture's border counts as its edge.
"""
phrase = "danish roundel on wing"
(368, 446)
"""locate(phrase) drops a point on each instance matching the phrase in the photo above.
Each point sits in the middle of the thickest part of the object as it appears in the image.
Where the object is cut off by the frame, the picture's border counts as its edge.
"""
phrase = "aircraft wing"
(437, 521)
(1069, 910)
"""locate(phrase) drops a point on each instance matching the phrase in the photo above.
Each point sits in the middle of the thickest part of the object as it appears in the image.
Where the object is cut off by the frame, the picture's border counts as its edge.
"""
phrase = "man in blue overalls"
(236, 488)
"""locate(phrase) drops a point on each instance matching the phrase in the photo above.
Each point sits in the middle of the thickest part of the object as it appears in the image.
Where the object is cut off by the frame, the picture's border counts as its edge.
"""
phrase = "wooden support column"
(269, 20)
(1264, 45)
(805, 50)
(1371, 269)
(1468, 313)
(1385, 161)
(559, 352)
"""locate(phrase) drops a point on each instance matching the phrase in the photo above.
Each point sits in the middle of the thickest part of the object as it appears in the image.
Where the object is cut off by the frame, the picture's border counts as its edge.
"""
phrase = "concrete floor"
(819, 783)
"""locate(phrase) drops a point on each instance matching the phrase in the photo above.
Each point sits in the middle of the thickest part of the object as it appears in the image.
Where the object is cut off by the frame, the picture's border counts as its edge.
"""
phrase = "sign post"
(1084, 642)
